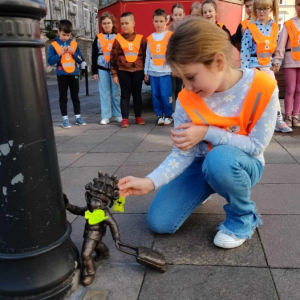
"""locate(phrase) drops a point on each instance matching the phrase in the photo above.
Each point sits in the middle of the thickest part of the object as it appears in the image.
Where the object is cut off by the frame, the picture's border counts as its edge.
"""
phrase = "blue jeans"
(225, 170)
(161, 90)
(110, 95)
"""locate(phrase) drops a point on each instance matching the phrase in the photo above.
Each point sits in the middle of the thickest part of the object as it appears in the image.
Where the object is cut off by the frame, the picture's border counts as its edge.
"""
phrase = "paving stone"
(278, 173)
(123, 281)
(73, 131)
(116, 143)
(74, 180)
(288, 141)
(133, 230)
(101, 159)
(295, 153)
(207, 282)
(156, 142)
(71, 218)
(106, 130)
(66, 159)
(276, 154)
(277, 198)
(80, 144)
(193, 244)
(62, 139)
(146, 158)
(280, 238)
(287, 283)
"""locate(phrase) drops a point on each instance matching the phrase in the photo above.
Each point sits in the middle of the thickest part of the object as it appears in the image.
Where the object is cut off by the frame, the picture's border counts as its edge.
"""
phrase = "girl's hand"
(95, 76)
(116, 80)
(275, 68)
(71, 50)
(188, 138)
(146, 78)
(135, 186)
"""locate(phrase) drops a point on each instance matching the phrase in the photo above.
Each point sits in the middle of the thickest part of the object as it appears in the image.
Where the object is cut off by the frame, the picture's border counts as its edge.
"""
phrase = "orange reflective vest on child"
(106, 46)
(221, 25)
(255, 103)
(130, 49)
(158, 48)
(67, 60)
(266, 45)
(294, 35)
(245, 24)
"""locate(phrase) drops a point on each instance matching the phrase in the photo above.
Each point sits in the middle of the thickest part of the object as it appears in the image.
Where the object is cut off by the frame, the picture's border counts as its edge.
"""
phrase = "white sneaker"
(168, 120)
(104, 121)
(160, 120)
(226, 241)
(117, 119)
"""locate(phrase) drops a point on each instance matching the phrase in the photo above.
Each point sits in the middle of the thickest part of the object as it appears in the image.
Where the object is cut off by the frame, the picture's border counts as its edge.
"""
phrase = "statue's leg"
(102, 251)
(88, 267)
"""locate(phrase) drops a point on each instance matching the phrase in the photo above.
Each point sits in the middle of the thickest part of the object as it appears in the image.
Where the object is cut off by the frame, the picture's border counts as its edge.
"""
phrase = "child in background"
(65, 53)
(209, 12)
(195, 10)
(289, 42)
(108, 91)
(177, 16)
(157, 71)
(224, 120)
(237, 37)
(127, 61)
(259, 43)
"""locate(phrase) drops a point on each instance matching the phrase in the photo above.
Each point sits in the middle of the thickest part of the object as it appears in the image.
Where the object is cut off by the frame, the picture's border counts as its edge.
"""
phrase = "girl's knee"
(160, 226)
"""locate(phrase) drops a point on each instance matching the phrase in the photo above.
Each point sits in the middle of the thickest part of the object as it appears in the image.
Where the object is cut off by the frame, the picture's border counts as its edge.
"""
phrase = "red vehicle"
(229, 12)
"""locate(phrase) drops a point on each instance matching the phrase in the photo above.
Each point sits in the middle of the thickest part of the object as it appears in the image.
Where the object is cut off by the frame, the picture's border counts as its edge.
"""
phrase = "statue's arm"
(75, 210)
(112, 225)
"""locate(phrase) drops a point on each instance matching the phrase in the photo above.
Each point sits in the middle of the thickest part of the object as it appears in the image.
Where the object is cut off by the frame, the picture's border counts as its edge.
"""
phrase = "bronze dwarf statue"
(101, 195)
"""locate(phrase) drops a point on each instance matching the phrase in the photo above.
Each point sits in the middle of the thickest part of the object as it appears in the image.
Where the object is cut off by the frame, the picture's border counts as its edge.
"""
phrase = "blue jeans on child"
(110, 95)
(161, 90)
(225, 170)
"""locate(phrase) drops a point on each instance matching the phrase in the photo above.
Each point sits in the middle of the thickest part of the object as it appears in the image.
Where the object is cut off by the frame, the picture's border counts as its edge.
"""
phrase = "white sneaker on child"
(226, 241)
(104, 121)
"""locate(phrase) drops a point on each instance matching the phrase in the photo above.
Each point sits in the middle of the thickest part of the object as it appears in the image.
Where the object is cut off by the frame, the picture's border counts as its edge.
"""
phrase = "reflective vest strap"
(56, 46)
(295, 49)
(69, 64)
(264, 55)
(245, 24)
(258, 97)
(255, 33)
(158, 56)
(137, 40)
(131, 53)
(121, 40)
(74, 45)
(290, 28)
(221, 25)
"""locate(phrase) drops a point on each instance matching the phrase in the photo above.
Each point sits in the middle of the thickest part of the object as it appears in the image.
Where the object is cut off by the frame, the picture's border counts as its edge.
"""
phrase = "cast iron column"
(37, 256)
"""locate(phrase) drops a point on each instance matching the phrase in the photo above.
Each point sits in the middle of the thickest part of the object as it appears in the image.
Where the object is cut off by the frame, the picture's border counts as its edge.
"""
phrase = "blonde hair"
(196, 5)
(197, 40)
(266, 3)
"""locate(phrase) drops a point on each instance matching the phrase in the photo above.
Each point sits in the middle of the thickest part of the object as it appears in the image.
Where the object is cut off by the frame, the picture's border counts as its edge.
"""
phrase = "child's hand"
(275, 68)
(62, 51)
(95, 76)
(135, 186)
(71, 50)
(146, 78)
(188, 138)
(116, 80)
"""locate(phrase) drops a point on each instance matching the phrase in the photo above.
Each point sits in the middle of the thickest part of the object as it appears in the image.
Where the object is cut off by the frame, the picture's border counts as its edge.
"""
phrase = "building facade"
(84, 17)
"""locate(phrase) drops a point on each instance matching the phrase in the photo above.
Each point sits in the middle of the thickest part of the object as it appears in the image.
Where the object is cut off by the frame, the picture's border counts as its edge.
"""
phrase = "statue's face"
(100, 193)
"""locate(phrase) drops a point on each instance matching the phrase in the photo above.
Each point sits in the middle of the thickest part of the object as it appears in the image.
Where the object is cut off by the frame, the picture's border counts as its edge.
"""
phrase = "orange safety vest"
(245, 24)
(294, 35)
(266, 45)
(67, 60)
(221, 25)
(158, 49)
(256, 101)
(131, 49)
(106, 45)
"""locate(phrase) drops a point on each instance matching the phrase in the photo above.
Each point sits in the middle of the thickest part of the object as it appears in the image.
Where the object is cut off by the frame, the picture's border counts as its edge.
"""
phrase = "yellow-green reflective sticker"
(97, 216)
(119, 204)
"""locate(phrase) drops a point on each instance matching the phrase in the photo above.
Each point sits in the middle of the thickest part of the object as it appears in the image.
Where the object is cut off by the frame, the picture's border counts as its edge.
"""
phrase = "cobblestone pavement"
(265, 268)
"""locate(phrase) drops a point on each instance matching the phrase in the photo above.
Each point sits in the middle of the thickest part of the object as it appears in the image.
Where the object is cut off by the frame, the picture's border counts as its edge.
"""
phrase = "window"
(86, 17)
(281, 2)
